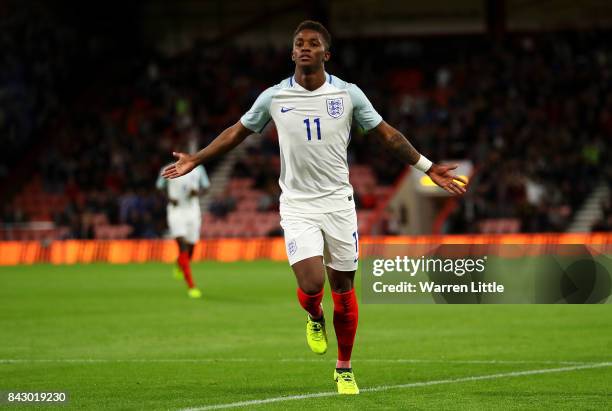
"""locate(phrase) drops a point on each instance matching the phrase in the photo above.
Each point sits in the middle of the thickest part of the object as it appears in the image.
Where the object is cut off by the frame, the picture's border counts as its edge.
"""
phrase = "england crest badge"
(335, 108)
(292, 247)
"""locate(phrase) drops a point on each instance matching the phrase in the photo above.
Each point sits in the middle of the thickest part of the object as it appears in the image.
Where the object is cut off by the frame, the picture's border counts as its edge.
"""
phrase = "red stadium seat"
(112, 232)
(500, 225)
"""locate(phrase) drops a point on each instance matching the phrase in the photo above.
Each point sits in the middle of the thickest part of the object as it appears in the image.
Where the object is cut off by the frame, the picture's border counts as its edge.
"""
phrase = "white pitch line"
(288, 360)
(400, 386)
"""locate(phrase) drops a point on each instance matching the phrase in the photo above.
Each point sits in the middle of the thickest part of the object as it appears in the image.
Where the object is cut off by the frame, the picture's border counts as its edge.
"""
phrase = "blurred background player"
(185, 219)
(313, 111)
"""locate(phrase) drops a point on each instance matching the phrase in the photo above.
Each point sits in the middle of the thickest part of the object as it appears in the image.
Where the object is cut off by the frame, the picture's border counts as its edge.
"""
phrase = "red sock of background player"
(346, 314)
(311, 303)
(183, 262)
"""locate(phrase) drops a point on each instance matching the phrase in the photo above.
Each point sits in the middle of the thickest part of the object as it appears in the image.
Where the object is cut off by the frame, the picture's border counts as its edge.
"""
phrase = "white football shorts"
(185, 223)
(331, 235)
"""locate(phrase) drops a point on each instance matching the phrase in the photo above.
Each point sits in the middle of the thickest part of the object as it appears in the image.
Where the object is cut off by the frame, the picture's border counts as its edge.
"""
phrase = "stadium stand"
(604, 224)
(518, 110)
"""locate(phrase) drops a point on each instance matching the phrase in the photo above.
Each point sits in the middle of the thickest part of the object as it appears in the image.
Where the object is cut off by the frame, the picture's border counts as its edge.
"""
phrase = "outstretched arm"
(405, 152)
(226, 141)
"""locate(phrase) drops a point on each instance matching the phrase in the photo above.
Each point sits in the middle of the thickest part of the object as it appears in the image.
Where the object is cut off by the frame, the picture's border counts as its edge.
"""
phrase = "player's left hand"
(184, 165)
(442, 176)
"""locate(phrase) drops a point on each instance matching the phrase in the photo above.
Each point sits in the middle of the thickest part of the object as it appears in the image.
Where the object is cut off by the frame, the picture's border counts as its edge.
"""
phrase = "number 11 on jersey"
(317, 121)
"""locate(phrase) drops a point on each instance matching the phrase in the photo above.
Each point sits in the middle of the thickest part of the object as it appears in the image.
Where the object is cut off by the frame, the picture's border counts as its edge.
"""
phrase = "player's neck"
(310, 80)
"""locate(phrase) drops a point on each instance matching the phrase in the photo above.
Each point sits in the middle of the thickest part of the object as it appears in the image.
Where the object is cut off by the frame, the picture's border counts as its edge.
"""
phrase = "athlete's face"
(309, 49)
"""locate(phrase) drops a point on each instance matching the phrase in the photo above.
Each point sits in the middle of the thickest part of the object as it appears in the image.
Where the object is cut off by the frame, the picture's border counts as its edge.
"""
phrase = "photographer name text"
(431, 287)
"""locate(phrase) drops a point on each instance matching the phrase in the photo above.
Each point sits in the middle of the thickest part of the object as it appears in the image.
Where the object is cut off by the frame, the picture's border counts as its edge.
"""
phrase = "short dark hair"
(314, 26)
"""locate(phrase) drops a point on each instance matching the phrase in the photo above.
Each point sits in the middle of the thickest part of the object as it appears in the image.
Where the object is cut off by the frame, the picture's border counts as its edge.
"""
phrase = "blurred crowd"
(604, 223)
(534, 114)
(35, 55)
(536, 119)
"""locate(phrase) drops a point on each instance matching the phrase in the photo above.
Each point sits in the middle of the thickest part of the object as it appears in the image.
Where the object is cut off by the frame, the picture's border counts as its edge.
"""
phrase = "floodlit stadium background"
(96, 96)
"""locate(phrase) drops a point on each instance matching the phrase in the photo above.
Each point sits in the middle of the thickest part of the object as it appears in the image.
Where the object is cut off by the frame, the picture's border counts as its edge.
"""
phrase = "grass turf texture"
(139, 343)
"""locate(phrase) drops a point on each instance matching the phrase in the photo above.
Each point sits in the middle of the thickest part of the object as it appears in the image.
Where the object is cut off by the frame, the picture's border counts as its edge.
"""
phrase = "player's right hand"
(184, 164)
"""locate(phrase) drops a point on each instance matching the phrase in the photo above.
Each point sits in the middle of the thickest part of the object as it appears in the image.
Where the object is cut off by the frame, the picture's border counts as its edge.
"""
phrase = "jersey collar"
(296, 85)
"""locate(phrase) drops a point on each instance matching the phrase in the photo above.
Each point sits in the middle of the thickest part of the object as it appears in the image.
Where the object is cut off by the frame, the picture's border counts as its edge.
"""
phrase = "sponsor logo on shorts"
(292, 247)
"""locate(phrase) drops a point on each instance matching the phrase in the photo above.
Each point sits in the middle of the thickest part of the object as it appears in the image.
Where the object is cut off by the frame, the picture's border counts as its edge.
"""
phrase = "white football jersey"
(314, 134)
(179, 188)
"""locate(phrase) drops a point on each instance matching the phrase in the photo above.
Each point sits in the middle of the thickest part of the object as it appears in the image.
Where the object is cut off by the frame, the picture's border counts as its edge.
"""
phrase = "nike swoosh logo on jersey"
(285, 109)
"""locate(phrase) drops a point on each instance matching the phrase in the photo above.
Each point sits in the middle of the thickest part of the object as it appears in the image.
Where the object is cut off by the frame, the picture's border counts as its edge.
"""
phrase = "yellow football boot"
(346, 382)
(316, 335)
(194, 293)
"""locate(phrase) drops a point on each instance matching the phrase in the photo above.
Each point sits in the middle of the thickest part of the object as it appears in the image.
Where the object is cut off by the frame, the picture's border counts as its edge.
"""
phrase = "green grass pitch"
(126, 337)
